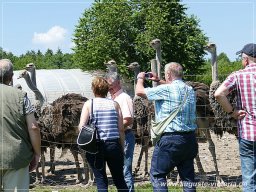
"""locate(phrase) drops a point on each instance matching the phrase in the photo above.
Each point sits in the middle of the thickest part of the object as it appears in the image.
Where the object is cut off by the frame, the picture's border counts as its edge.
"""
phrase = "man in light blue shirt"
(177, 146)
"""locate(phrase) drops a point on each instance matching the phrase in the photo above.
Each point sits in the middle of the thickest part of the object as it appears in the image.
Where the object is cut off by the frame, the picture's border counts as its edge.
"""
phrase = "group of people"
(113, 117)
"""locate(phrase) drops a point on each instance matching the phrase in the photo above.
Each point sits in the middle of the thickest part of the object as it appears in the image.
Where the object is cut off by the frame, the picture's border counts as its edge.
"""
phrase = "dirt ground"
(226, 153)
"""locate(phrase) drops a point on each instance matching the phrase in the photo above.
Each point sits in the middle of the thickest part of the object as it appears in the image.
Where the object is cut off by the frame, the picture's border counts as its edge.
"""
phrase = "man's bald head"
(6, 71)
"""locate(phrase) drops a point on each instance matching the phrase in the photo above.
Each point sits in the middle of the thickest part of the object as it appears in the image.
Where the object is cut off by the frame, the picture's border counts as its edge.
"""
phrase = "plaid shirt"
(167, 98)
(244, 83)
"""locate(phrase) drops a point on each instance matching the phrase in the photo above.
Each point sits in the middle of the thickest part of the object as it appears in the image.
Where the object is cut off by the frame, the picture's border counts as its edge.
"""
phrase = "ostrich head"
(38, 95)
(23, 74)
(30, 67)
(211, 48)
(111, 66)
(155, 43)
(18, 86)
(133, 66)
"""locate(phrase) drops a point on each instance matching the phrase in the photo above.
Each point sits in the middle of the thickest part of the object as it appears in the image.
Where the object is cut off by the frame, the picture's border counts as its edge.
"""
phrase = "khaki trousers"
(14, 180)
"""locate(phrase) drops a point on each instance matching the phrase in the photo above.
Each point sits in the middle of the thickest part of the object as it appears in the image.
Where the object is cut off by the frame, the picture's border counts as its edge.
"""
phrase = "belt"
(179, 133)
(127, 131)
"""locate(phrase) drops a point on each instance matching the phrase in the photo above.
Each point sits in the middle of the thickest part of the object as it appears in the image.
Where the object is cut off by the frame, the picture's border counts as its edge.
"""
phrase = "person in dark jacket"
(20, 141)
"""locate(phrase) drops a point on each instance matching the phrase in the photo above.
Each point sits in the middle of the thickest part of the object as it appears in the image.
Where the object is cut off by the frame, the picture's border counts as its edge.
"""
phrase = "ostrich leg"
(146, 139)
(89, 178)
(42, 163)
(79, 175)
(200, 168)
(137, 168)
(143, 149)
(204, 126)
(213, 153)
(52, 159)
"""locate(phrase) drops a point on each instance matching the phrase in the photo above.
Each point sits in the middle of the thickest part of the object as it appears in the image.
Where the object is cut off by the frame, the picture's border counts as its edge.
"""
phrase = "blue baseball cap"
(249, 49)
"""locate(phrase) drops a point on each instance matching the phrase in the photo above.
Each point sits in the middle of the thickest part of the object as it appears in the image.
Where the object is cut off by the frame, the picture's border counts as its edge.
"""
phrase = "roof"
(57, 82)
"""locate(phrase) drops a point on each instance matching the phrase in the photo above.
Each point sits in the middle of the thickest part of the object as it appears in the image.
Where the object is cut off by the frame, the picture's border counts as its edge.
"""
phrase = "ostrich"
(38, 95)
(204, 122)
(111, 66)
(58, 123)
(18, 86)
(141, 118)
(32, 69)
(223, 121)
(156, 44)
(46, 127)
(142, 121)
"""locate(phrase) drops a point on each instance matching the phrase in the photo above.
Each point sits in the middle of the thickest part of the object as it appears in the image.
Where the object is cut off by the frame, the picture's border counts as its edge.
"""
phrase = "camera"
(148, 75)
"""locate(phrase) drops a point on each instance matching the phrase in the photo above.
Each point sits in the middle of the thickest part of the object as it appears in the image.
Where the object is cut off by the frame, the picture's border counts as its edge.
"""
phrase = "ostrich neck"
(159, 61)
(33, 77)
(214, 67)
(136, 72)
(38, 94)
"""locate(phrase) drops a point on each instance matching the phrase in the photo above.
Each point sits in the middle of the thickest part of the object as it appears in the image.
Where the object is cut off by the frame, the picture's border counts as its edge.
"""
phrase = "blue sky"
(32, 25)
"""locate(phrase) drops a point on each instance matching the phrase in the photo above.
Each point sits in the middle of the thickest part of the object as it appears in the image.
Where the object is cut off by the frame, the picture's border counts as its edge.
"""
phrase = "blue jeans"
(174, 150)
(248, 164)
(128, 158)
(110, 152)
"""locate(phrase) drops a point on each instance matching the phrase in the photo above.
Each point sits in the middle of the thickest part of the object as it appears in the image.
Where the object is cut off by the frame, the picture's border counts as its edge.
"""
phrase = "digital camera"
(148, 75)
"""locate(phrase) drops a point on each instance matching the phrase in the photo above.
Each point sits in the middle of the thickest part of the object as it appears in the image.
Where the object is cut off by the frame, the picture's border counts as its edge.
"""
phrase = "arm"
(35, 138)
(127, 111)
(127, 121)
(85, 114)
(221, 96)
(156, 79)
(120, 124)
(140, 90)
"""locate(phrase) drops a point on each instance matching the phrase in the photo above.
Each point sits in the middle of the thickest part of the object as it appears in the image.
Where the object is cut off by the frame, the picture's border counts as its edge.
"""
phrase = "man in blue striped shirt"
(177, 146)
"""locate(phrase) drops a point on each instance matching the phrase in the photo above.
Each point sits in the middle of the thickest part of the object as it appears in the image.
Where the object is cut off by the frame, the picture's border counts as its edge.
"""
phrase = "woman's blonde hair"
(100, 86)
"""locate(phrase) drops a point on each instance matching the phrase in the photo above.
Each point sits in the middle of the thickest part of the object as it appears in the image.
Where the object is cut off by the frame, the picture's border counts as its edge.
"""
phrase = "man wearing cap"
(20, 141)
(243, 82)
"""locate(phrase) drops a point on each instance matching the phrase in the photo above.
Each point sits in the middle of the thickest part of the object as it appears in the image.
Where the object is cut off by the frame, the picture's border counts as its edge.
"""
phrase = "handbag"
(157, 128)
(87, 138)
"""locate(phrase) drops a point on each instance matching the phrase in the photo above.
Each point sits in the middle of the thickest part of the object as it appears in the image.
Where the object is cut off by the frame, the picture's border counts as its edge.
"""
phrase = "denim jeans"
(248, 164)
(174, 150)
(128, 158)
(110, 152)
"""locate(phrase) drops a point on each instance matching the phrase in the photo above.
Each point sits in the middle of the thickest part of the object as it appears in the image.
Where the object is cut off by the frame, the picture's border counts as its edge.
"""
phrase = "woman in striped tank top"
(108, 119)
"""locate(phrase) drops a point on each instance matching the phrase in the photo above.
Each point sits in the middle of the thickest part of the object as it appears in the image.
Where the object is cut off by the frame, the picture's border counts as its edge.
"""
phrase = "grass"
(141, 188)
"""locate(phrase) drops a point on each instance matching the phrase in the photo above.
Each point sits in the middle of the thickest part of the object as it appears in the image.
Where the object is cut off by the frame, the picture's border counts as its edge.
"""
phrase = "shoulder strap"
(163, 124)
(91, 114)
(92, 109)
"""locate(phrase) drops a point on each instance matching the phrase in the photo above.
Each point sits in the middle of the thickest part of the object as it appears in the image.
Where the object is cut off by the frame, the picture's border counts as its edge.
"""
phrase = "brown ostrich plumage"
(224, 123)
(59, 120)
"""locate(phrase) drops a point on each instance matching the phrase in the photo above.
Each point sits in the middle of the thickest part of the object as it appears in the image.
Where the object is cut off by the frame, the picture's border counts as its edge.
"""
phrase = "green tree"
(122, 30)
(58, 59)
(104, 32)
(225, 67)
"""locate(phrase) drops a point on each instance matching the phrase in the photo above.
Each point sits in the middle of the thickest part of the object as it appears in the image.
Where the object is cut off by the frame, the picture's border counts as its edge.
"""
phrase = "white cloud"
(53, 37)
